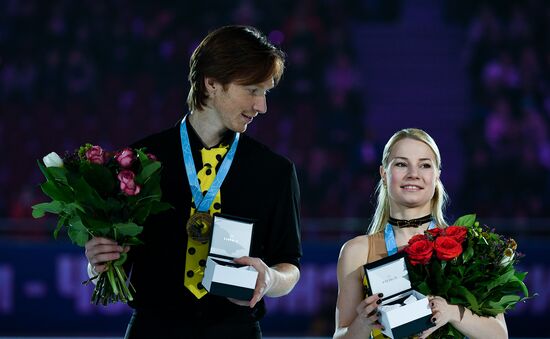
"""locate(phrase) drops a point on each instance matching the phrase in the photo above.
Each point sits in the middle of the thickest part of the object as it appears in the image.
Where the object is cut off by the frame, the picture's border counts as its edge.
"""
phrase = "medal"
(199, 226)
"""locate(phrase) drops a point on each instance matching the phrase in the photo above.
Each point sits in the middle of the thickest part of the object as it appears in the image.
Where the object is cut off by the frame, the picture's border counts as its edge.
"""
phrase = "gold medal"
(199, 226)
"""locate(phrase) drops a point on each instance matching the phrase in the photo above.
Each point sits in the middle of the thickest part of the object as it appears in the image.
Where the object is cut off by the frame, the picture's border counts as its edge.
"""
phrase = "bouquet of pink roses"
(468, 264)
(98, 193)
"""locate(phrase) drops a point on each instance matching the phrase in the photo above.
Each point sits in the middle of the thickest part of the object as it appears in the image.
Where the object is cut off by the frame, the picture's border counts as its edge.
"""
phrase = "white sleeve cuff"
(92, 273)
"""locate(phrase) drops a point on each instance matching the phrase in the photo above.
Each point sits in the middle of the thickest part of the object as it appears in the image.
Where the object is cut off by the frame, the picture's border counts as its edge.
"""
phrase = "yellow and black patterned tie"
(197, 252)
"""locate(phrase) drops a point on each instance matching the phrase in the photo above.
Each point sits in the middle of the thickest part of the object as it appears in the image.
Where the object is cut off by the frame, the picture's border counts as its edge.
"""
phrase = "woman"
(411, 199)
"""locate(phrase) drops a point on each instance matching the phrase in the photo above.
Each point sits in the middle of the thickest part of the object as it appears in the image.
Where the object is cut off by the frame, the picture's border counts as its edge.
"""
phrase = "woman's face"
(411, 176)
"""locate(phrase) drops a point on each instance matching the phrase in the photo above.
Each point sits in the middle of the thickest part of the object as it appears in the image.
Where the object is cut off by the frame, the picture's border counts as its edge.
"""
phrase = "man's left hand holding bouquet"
(102, 198)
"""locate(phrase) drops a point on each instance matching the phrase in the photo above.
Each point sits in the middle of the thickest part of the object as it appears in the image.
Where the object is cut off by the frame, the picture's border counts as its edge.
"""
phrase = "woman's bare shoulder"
(356, 247)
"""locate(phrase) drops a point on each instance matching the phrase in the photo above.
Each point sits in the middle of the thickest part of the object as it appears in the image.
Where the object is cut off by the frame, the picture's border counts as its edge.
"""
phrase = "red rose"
(434, 232)
(127, 183)
(151, 156)
(447, 248)
(417, 237)
(95, 155)
(125, 157)
(456, 232)
(419, 251)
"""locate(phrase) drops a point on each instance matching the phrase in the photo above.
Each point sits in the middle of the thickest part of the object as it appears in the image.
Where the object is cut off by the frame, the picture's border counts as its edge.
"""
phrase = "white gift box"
(390, 276)
(231, 238)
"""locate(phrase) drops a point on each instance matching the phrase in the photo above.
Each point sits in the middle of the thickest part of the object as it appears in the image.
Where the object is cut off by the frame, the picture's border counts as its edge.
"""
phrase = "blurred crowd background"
(111, 72)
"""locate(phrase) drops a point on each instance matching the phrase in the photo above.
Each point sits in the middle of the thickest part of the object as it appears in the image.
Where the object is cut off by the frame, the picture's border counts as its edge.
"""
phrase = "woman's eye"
(400, 164)
(426, 166)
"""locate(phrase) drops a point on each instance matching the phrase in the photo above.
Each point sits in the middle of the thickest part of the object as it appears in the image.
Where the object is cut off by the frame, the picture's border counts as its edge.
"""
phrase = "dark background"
(473, 74)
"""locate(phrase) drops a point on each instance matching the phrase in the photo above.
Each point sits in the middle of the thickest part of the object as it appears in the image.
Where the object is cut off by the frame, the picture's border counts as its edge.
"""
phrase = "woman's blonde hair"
(439, 200)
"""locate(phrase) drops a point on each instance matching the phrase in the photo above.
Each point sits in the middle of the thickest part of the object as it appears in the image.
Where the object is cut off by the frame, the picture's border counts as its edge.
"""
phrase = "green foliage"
(482, 278)
(90, 201)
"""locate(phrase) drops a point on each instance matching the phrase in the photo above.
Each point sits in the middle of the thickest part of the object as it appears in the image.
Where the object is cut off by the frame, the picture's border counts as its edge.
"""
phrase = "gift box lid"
(231, 237)
(388, 275)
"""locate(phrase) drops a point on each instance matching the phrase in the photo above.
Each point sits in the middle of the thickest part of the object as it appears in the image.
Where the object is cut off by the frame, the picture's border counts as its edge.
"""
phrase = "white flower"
(53, 160)
(507, 257)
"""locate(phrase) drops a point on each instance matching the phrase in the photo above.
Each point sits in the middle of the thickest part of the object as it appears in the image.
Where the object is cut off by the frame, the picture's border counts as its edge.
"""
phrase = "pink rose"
(95, 155)
(152, 156)
(125, 157)
(127, 183)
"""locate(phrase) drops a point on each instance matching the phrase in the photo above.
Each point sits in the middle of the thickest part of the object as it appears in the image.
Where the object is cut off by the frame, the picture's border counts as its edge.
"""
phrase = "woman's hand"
(367, 310)
(442, 313)
(101, 250)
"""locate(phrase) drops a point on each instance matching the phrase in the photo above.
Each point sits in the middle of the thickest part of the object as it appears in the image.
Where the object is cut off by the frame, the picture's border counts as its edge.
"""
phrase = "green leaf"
(120, 261)
(54, 207)
(147, 171)
(58, 227)
(98, 228)
(472, 301)
(132, 241)
(143, 158)
(45, 170)
(423, 288)
(465, 220)
(468, 253)
(57, 191)
(127, 229)
(521, 284)
(141, 213)
(77, 231)
(502, 279)
(59, 174)
(99, 177)
(160, 206)
(86, 195)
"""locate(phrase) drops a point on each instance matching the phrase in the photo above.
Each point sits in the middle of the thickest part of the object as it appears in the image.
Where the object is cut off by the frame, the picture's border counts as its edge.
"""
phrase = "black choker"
(410, 223)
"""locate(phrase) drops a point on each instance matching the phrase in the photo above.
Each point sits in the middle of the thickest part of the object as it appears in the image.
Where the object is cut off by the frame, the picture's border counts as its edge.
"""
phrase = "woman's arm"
(468, 323)
(355, 316)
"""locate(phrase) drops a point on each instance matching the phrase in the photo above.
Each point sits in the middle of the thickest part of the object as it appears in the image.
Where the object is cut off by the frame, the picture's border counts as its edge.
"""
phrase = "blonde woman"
(411, 199)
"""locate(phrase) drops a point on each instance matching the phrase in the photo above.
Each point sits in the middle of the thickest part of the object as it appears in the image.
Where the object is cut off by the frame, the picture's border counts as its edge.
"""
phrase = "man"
(231, 72)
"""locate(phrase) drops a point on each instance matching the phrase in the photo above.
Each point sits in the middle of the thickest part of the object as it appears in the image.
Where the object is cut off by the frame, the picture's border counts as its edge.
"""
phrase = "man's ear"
(211, 85)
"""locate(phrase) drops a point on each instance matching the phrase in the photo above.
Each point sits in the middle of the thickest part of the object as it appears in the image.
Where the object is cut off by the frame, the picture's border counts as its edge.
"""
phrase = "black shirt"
(260, 185)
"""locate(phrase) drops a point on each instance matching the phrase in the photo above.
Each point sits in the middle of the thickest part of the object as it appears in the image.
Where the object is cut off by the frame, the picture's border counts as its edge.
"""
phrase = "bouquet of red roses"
(468, 264)
(98, 193)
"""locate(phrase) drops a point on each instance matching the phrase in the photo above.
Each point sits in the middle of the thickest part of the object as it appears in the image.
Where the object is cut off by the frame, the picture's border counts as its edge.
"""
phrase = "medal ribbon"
(389, 238)
(202, 203)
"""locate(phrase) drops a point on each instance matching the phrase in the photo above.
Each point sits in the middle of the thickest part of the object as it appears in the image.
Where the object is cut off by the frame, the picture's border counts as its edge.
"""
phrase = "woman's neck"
(402, 235)
(409, 213)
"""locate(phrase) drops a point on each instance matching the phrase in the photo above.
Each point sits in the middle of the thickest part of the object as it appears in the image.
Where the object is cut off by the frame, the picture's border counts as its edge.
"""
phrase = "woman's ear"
(383, 175)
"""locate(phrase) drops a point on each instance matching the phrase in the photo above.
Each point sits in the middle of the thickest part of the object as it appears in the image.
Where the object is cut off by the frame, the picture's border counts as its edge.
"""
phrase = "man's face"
(237, 105)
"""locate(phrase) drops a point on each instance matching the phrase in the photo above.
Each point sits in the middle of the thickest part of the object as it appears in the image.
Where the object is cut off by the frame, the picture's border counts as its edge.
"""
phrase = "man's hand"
(101, 250)
(263, 283)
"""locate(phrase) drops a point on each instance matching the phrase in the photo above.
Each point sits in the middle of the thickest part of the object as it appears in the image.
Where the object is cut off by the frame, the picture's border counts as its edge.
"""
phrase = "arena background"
(474, 74)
